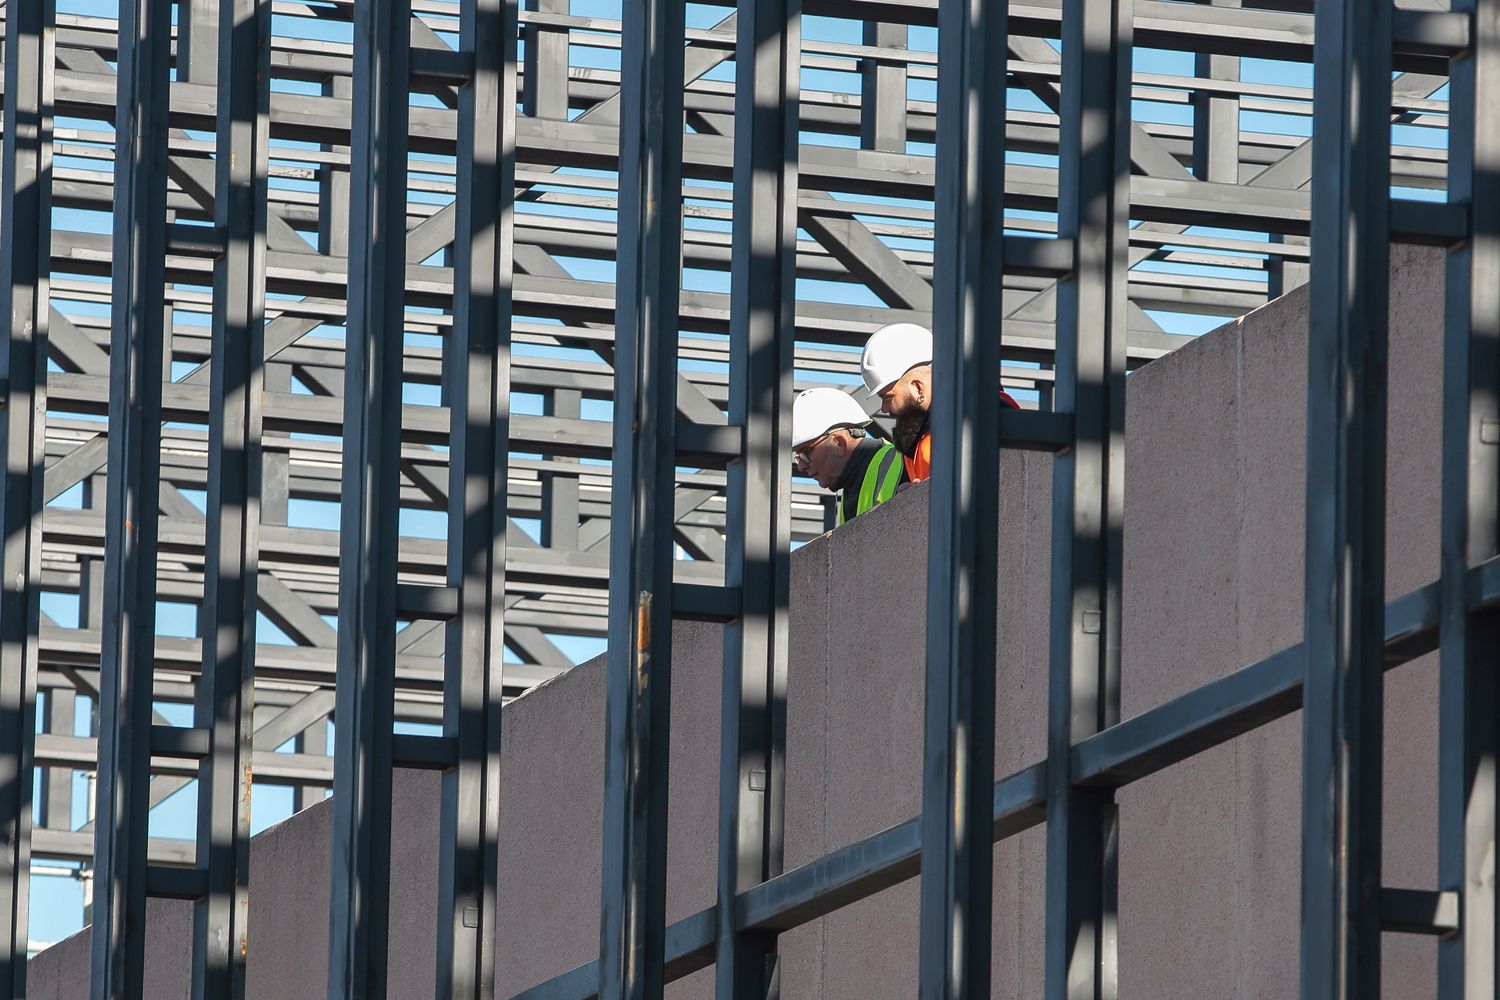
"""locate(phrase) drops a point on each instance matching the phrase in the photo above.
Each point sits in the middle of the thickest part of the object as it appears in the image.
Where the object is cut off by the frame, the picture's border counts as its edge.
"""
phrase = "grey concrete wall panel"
(1209, 876)
(288, 956)
(1209, 849)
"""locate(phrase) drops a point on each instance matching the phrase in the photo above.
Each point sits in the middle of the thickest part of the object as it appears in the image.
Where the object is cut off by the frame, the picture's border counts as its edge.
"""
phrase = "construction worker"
(830, 445)
(897, 367)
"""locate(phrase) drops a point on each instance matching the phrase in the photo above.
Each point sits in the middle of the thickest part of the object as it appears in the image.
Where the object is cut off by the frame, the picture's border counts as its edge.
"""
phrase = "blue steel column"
(1088, 491)
(958, 766)
(638, 703)
(1469, 733)
(25, 265)
(359, 901)
(752, 745)
(127, 657)
(478, 376)
(226, 690)
(1346, 431)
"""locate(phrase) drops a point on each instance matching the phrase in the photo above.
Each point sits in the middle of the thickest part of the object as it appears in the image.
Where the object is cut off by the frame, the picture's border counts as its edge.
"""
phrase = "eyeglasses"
(803, 452)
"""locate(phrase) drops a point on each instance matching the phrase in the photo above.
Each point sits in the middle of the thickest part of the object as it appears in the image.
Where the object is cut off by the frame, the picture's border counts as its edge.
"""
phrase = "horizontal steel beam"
(1205, 718)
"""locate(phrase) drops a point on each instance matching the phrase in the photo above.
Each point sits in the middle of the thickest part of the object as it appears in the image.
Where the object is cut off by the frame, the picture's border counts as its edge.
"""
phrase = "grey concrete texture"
(288, 948)
(1209, 849)
(1216, 439)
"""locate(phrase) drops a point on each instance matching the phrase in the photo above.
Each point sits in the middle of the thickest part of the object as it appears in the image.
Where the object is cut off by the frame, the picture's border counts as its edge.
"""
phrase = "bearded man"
(897, 367)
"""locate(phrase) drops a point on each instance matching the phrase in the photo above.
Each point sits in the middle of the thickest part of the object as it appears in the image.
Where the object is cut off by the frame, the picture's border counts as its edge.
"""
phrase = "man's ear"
(845, 442)
(921, 388)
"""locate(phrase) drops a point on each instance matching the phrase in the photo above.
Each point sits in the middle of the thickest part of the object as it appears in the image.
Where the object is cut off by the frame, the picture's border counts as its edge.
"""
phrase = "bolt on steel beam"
(1469, 694)
(478, 376)
(359, 899)
(136, 372)
(752, 748)
(1088, 491)
(958, 770)
(639, 664)
(1346, 458)
(25, 267)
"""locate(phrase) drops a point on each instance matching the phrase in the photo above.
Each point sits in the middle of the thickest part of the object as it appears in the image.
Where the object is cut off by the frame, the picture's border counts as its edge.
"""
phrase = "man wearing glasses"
(830, 445)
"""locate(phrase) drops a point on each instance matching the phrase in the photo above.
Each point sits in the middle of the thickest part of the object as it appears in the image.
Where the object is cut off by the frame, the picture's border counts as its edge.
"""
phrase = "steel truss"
(341, 255)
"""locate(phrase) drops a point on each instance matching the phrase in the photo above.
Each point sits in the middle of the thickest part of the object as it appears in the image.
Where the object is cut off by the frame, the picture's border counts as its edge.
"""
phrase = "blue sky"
(57, 901)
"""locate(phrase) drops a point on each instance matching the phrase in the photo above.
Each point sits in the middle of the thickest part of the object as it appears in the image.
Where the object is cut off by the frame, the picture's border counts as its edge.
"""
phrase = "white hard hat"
(815, 412)
(892, 351)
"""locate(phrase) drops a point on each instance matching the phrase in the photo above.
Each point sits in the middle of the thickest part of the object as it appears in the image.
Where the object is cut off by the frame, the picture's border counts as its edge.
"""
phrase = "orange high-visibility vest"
(919, 465)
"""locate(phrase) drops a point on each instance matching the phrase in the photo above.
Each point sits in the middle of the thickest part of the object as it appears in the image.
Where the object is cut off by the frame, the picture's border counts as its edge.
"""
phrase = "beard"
(911, 424)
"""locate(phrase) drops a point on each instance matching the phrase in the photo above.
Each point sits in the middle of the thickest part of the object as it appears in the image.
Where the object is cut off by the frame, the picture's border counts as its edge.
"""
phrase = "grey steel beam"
(638, 700)
(1267, 30)
(359, 900)
(867, 258)
(1207, 717)
(25, 265)
(560, 521)
(588, 302)
(533, 646)
(333, 191)
(294, 720)
(1469, 692)
(883, 91)
(958, 754)
(585, 306)
(291, 613)
(1094, 208)
(290, 723)
(813, 890)
(478, 379)
(137, 342)
(1346, 459)
(198, 40)
(312, 740)
(546, 92)
(225, 701)
(1216, 119)
(56, 806)
(72, 845)
(752, 739)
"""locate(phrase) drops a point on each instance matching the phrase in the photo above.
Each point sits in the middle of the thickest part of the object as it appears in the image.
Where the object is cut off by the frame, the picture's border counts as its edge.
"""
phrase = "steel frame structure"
(339, 254)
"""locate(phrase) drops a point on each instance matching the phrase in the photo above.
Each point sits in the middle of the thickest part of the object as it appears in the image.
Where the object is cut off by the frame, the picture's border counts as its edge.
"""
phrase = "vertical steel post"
(882, 90)
(752, 745)
(1088, 490)
(1216, 118)
(1468, 736)
(560, 489)
(546, 91)
(198, 40)
(333, 190)
(25, 268)
(478, 377)
(1345, 572)
(128, 653)
(225, 699)
(639, 699)
(958, 761)
(359, 903)
(55, 810)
